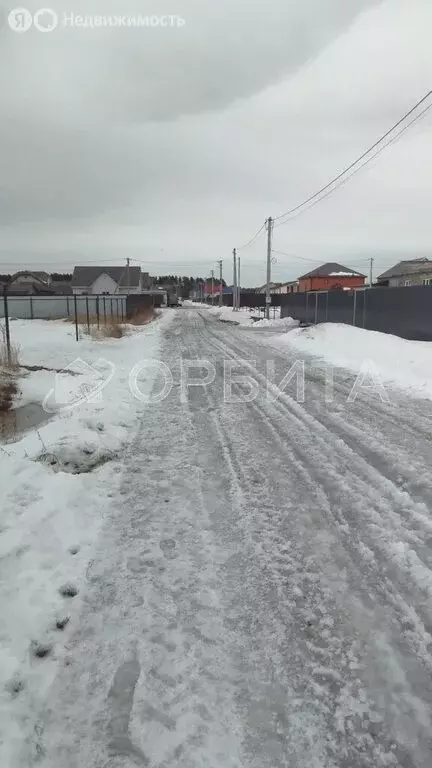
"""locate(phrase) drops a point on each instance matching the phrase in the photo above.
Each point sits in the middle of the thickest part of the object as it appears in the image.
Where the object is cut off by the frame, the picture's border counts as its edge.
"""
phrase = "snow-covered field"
(406, 364)
(52, 503)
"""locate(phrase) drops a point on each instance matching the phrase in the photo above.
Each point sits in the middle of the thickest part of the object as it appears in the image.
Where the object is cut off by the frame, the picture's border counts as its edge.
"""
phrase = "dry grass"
(111, 330)
(143, 317)
(9, 362)
(8, 390)
(82, 319)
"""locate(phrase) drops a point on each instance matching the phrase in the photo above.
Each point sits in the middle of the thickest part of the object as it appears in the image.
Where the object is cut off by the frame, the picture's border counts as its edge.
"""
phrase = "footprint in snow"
(168, 547)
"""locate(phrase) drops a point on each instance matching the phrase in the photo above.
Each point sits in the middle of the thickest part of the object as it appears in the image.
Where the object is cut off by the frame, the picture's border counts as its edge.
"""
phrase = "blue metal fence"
(405, 312)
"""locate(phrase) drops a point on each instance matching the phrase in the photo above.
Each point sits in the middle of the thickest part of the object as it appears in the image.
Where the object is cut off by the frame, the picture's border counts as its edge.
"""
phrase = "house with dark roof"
(330, 276)
(106, 280)
(291, 286)
(405, 273)
(29, 283)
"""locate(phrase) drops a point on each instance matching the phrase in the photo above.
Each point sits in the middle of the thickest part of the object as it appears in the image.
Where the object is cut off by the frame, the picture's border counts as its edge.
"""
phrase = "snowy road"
(261, 593)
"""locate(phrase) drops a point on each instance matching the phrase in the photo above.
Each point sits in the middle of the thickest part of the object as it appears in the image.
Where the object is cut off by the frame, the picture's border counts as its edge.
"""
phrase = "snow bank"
(51, 516)
(244, 316)
(284, 323)
(406, 364)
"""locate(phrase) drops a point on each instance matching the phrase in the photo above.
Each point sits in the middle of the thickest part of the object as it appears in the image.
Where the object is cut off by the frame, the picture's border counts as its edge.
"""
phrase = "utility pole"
(269, 253)
(220, 278)
(212, 286)
(370, 272)
(238, 283)
(234, 280)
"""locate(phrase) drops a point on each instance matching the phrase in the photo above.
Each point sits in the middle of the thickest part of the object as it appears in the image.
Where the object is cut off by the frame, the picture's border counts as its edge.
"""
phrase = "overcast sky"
(172, 145)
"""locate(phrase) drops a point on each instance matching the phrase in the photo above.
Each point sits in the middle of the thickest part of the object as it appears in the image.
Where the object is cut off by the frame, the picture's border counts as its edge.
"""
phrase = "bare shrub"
(112, 330)
(8, 361)
(143, 317)
(8, 390)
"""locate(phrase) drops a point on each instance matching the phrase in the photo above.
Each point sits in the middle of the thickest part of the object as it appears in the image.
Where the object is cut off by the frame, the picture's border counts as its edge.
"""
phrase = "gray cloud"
(118, 142)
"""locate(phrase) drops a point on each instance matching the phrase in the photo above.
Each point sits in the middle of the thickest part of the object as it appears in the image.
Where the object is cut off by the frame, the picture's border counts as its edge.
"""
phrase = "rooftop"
(331, 269)
(408, 267)
(85, 276)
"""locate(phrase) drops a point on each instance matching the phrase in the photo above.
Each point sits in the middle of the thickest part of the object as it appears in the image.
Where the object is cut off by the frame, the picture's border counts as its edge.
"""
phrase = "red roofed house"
(330, 276)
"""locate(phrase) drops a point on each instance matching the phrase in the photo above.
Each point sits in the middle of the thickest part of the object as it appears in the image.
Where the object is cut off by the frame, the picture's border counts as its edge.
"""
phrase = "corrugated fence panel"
(405, 312)
(47, 307)
(58, 307)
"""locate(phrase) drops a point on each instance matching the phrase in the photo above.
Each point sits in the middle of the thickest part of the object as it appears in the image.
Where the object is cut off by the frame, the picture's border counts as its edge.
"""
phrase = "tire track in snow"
(370, 481)
(410, 623)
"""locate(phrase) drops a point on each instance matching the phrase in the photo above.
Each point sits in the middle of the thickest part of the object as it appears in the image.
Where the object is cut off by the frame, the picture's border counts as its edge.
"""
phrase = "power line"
(362, 156)
(344, 181)
(294, 257)
(361, 260)
(175, 263)
(60, 264)
(254, 237)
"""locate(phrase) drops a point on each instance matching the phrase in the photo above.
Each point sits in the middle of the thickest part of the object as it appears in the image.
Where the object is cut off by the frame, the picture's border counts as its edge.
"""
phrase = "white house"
(103, 280)
(291, 287)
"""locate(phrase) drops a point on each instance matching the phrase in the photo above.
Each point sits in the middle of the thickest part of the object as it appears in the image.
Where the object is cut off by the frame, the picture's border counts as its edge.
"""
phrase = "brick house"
(330, 276)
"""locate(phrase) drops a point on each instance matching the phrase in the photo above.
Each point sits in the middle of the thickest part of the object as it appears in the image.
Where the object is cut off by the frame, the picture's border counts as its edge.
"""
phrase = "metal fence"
(58, 307)
(405, 312)
(81, 310)
(248, 299)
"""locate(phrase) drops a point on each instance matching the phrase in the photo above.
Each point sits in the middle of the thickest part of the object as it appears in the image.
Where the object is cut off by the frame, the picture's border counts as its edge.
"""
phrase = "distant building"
(29, 283)
(212, 288)
(291, 287)
(405, 273)
(263, 288)
(330, 276)
(61, 287)
(100, 280)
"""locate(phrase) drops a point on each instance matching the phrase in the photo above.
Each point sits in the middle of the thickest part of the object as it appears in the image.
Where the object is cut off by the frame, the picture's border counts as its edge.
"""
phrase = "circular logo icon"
(45, 20)
(20, 20)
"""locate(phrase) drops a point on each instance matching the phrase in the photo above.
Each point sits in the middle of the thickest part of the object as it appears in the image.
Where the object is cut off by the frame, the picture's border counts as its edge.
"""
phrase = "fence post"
(364, 305)
(67, 303)
(327, 303)
(307, 306)
(31, 308)
(354, 307)
(104, 309)
(112, 312)
(97, 311)
(6, 319)
(76, 318)
(316, 308)
(88, 314)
